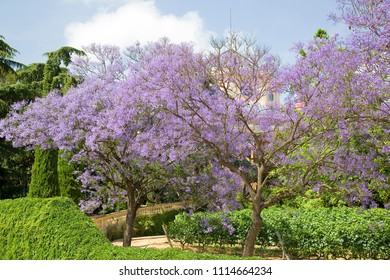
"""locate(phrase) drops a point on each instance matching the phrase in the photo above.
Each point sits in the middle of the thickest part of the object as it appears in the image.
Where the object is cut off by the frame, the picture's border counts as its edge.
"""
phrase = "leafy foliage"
(7, 64)
(15, 165)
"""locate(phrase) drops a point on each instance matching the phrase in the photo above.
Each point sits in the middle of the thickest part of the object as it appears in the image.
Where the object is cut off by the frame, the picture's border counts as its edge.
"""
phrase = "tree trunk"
(256, 225)
(130, 218)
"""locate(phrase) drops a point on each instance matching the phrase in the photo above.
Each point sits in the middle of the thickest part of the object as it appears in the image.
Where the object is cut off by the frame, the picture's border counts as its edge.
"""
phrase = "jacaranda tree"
(349, 78)
(216, 102)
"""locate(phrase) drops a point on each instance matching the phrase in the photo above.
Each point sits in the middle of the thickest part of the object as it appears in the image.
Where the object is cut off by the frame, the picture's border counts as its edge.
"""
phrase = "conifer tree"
(44, 179)
(7, 64)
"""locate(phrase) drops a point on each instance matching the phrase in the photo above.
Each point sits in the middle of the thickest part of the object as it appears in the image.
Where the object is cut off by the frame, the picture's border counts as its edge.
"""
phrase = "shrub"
(203, 229)
(340, 232)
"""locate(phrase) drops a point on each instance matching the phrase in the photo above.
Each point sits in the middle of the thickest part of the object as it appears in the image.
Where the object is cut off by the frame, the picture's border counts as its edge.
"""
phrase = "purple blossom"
(208, 230)
(226, 223)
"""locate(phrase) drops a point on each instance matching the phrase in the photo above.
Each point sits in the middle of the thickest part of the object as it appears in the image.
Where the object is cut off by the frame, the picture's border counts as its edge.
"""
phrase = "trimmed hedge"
(341, 232)
(321, 233)
(54, 228)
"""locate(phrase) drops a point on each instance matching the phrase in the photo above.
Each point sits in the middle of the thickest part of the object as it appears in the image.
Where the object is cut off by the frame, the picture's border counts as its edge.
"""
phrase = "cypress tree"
(44, 179)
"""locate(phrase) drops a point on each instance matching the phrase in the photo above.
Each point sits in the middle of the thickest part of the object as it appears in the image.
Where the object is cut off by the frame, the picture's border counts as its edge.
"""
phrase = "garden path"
(159, 242)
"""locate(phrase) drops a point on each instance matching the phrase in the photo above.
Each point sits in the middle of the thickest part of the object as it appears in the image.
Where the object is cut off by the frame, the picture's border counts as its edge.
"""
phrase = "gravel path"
(159, 241)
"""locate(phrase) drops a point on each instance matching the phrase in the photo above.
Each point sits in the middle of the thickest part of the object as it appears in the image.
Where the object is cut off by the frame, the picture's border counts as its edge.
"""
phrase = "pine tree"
(7, 64)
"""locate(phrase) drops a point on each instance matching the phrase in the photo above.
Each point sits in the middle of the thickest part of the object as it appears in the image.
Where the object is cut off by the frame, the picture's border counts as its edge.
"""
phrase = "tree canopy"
(7, 64)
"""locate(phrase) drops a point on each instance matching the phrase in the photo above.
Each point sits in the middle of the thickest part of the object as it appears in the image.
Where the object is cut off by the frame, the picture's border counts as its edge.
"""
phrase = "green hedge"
(35, 228)
(322, 233)
(54, 228)
(341, 232)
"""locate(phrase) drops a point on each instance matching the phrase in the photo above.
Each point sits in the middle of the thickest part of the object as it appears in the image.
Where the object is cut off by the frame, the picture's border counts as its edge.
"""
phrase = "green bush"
(202, 229)
(339, 232)
(54, 228)
(320, 232)
(184, 229)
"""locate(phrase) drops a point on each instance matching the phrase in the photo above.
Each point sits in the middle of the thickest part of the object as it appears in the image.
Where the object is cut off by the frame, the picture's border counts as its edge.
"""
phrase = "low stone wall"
(102, 222)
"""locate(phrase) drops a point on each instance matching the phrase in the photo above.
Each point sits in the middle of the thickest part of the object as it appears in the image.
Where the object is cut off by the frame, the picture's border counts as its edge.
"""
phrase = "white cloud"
(137, 21)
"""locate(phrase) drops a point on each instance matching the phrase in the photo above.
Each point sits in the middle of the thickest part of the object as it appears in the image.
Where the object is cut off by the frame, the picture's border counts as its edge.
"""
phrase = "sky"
(35, 27)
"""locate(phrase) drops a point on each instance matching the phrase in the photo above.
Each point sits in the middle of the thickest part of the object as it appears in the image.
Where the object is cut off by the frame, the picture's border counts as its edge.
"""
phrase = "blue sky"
(39, 26)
